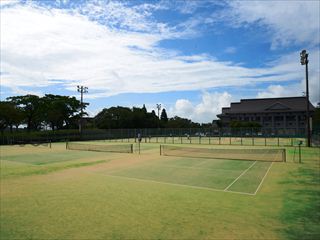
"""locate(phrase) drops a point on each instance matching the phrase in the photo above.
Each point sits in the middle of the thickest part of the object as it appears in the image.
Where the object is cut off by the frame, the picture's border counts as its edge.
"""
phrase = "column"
(272, 122)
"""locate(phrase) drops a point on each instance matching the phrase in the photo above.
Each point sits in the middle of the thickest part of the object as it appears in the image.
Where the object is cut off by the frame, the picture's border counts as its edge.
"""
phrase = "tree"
(178, 122)
(123, 117)
(163, 116)
(61, 111)
(9, 115)
(114, 117)
(31, 108)
(54, 110)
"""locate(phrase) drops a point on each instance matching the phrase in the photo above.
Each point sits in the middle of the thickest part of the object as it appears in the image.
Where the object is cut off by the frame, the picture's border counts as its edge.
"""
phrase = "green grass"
(212, 173)
(60, 194)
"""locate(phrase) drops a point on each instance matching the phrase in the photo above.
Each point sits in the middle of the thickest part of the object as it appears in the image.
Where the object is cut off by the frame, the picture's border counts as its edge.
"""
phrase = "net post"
(284, 155)
(50, 143)
(131, 146)
(299, 153)
(67, 143)
(160, 150)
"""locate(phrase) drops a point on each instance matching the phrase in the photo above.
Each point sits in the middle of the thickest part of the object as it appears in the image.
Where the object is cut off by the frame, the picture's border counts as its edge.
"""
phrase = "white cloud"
(289, 22)
(41, 45)
(205, 111)
(7, 3)
(279, 91)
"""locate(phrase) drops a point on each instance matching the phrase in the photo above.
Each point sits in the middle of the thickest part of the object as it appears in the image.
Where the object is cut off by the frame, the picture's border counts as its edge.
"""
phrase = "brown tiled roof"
(287, 104)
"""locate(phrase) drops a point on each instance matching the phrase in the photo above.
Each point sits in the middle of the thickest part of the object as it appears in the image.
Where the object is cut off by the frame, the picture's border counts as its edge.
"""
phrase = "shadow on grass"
(45, 170)
(301, 206)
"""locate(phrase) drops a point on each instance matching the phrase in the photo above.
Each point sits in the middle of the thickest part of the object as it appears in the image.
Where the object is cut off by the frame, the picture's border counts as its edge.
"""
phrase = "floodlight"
(304, 61)
(303, 57)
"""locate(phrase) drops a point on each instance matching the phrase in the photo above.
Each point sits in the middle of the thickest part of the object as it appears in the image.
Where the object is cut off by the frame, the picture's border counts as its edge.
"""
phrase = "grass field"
(68, 194)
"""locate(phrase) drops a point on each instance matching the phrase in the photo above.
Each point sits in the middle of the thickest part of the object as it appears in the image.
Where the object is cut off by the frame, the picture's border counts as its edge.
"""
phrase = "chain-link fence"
(230, 136)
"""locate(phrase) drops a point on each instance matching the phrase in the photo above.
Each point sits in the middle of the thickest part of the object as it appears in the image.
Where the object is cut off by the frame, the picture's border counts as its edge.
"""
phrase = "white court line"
(175, 184)
(263, 179)
(197, 168)
(240, 176)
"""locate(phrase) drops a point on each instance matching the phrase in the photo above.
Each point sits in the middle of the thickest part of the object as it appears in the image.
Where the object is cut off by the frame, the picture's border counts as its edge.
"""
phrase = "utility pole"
(158, 107)
(81, 90)
(304, 61)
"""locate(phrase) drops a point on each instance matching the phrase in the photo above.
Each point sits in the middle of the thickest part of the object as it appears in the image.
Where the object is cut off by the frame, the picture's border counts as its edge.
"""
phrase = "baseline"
(175, 184)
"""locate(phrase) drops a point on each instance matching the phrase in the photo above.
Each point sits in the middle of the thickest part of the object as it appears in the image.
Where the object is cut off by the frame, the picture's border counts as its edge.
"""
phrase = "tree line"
(50, 111)
(64, 112)
(124, 117)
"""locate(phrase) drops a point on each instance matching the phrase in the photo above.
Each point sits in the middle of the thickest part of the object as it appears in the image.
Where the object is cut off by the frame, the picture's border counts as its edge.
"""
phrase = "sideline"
(240, 175)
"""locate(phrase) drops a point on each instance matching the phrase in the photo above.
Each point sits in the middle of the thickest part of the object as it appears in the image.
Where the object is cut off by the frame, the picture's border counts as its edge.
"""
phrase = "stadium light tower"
(304, 61)
(81, 90)
(158, 107)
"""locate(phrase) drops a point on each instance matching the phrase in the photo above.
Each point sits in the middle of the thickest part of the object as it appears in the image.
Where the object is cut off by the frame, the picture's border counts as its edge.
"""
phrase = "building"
(281, 115)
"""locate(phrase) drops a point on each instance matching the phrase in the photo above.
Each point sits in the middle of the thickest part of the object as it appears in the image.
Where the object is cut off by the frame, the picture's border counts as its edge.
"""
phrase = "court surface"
(244, 177)
(70, 194)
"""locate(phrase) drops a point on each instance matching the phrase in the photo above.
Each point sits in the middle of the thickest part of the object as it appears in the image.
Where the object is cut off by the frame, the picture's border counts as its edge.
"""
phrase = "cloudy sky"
(193, 57)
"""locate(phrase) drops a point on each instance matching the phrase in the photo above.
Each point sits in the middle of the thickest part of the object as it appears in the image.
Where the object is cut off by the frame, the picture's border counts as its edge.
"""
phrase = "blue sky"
(193, 57)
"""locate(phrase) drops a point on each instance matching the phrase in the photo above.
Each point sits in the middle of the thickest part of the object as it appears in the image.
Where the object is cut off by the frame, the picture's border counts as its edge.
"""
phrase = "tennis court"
(202, 172)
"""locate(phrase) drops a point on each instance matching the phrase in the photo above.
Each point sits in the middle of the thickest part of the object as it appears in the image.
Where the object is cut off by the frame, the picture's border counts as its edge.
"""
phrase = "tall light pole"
(304, 61)
(81, 90)
(158, 107)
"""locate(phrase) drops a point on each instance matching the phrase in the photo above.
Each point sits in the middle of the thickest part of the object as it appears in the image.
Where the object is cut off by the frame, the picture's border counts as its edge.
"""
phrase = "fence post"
(299, 153)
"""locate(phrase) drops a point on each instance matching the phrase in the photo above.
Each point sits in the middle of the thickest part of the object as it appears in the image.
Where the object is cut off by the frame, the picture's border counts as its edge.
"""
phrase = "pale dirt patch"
(113, 161)
(30, 149)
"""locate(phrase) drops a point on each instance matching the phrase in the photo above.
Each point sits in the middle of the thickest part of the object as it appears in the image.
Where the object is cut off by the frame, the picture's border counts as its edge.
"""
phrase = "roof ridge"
(255, 99)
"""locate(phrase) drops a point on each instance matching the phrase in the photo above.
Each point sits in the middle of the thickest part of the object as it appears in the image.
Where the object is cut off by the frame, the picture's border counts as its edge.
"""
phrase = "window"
(291, 118)
(278, 118)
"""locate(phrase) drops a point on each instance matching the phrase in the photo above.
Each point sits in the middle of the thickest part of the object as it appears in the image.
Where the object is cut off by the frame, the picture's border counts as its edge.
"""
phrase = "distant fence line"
(239, 136)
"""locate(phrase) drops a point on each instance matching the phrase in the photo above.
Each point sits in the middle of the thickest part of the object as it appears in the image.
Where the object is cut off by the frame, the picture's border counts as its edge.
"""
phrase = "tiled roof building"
(287, 113)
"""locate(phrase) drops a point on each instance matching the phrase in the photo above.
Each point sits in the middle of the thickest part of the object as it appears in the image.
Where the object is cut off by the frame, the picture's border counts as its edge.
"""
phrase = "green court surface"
(211, 174)
(70, 194)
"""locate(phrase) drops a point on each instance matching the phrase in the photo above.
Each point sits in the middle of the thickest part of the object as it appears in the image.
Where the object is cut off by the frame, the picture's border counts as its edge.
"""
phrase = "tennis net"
(272, 155)
(35, 143)
(118, 148)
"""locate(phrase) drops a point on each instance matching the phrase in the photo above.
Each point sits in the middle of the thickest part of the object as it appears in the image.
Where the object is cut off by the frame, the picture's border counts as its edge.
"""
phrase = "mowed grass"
(60, 194)
(213, 174)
